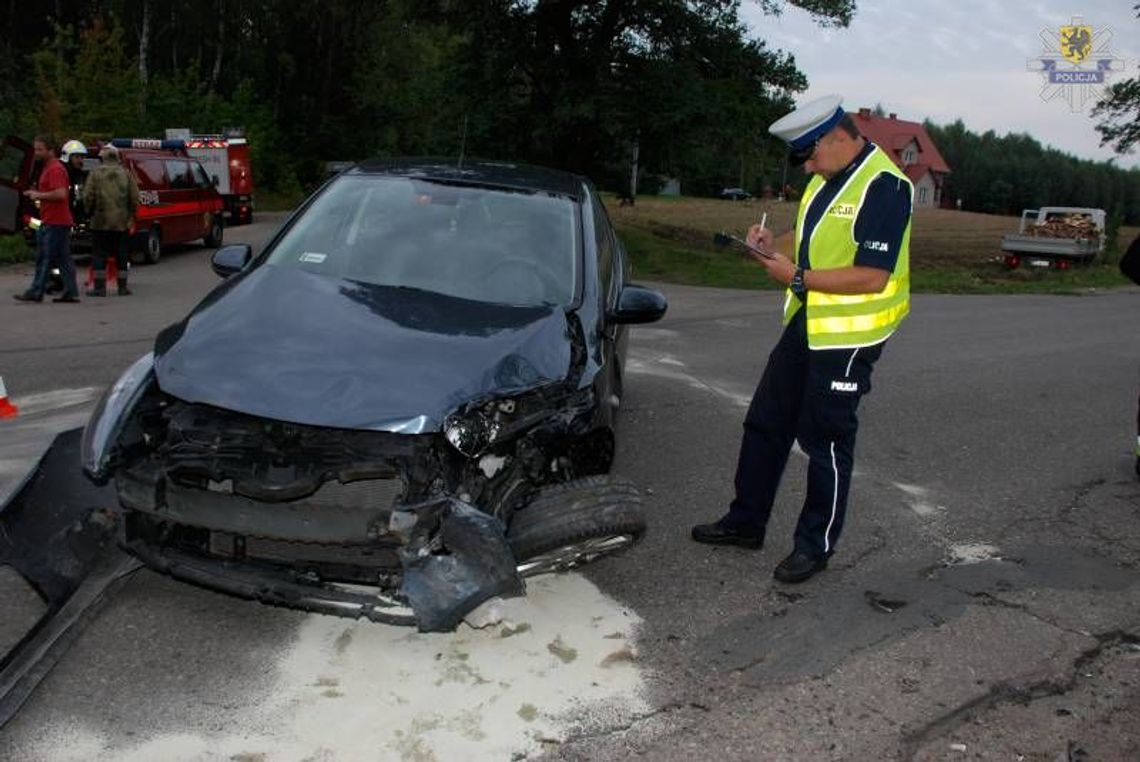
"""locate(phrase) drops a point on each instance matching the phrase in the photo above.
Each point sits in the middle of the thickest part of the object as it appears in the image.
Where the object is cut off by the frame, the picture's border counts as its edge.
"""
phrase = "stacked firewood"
(1076, 226)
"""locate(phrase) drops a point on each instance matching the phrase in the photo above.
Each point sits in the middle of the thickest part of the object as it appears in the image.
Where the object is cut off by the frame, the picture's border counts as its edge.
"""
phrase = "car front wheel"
(213, 239)
(152, 247)
(570, 524)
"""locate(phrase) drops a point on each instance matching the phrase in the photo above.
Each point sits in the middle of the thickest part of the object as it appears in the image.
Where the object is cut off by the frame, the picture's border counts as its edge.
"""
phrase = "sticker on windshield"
(313, 257)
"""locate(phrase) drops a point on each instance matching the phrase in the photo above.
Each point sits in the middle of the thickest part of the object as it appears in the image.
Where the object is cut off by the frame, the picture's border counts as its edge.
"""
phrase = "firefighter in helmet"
(73, 153)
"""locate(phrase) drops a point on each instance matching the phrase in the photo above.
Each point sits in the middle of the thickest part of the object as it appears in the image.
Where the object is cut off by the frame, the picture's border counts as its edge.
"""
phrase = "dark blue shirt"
(881, 221)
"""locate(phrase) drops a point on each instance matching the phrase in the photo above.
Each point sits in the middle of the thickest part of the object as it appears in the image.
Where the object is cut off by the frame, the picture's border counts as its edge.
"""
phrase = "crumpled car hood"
(289, 345)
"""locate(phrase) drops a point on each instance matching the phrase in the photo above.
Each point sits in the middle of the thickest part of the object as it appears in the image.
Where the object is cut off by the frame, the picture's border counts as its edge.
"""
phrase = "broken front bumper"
(452, 558)
(56, 531)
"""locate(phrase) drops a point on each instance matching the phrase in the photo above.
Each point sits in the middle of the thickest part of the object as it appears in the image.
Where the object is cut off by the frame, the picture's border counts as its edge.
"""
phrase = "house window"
(922, 193)
(908, 155)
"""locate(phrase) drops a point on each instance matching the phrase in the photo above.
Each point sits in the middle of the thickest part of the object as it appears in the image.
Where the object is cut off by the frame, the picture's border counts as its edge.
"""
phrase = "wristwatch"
(797, 285)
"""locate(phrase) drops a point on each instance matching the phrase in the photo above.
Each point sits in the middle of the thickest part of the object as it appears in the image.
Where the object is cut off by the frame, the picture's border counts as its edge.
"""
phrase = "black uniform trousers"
(810, 396)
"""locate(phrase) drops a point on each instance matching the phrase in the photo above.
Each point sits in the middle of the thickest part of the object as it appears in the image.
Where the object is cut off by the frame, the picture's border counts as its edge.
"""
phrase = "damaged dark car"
(398, 409)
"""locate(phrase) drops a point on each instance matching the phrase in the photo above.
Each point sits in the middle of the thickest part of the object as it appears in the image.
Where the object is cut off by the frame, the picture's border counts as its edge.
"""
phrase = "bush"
(14, 249)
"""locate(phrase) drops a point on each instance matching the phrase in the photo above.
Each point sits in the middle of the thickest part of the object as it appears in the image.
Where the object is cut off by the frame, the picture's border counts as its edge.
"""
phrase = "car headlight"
(477, 426)
(476, 429)
(110, 413)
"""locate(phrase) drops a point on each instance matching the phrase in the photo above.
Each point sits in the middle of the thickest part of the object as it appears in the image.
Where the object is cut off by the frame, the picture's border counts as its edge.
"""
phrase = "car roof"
(152, 153)
(498, 174)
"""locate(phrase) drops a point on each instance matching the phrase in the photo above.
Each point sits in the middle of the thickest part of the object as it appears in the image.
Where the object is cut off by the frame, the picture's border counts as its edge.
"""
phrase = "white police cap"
(808, 123)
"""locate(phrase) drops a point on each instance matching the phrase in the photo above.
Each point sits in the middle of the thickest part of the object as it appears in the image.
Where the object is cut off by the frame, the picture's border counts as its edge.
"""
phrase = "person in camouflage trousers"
(111, 198)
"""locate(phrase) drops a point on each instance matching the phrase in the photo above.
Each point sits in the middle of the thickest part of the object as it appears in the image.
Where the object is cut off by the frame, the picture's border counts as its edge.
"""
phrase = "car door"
(204, 195)
(16, 158)
(150, 175)
(180, 202)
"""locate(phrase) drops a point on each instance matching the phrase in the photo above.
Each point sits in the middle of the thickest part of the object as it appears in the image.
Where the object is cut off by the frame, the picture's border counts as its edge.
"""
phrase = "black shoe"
(799, 567)
(28, 296)
(717, 533)
(65, 299)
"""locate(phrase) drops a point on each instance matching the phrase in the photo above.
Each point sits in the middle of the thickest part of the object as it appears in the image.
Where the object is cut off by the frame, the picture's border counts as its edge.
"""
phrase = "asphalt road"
(983, 603)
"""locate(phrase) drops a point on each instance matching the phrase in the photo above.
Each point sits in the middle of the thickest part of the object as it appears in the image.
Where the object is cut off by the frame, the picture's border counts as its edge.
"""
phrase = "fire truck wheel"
(152, 250)
(213, 239)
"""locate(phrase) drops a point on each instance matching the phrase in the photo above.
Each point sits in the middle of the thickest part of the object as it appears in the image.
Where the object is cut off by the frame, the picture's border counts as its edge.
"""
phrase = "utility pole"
(784, 181)
(463, 140)
(633, 169)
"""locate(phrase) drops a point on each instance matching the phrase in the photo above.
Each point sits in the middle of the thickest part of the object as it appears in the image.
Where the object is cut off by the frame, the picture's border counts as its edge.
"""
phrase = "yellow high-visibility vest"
(846, 321)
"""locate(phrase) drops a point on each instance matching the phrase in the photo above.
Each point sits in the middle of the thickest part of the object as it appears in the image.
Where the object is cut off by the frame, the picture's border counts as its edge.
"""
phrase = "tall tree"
(1120, 112)
(1005, 174)
(144, 52)
(569, 83)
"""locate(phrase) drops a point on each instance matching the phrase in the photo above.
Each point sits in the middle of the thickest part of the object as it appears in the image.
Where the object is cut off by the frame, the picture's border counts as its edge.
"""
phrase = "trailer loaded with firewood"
(1056, 237)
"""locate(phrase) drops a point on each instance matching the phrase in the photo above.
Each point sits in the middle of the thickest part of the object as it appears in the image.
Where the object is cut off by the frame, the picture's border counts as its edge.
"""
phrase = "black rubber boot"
(100, 287)
(123, 290)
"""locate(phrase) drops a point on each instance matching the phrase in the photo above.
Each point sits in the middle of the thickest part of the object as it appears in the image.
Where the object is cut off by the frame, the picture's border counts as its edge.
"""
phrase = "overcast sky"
(947, 60)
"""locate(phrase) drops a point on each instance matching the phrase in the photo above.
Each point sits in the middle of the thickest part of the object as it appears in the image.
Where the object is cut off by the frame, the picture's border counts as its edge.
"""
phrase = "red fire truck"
(226, 160)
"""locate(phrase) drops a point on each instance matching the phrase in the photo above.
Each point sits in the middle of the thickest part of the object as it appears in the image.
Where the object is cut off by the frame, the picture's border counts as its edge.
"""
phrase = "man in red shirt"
(54, 240)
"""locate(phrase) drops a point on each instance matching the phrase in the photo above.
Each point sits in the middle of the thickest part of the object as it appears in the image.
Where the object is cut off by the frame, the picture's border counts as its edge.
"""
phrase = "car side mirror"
(216, 181)
(231, 259)
(638, 304)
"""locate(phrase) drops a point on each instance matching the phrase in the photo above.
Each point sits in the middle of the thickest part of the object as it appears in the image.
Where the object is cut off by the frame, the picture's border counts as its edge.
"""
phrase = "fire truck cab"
(226, 160)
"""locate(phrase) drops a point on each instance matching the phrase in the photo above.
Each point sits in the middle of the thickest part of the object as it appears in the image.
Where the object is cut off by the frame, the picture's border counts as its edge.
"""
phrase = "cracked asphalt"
(983, 602)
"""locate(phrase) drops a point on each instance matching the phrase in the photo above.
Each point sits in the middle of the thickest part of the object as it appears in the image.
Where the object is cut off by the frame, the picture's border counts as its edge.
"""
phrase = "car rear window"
(489, 245)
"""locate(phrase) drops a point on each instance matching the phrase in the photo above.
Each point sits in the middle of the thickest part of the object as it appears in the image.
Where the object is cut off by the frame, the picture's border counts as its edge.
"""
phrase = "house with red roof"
(910, 147)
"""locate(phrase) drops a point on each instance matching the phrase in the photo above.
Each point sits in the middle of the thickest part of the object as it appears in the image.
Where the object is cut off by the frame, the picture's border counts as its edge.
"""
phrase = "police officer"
(848, 291)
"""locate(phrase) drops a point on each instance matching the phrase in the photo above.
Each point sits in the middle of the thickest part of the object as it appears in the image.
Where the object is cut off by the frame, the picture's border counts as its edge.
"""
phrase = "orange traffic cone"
(112, 273)
(7, 409)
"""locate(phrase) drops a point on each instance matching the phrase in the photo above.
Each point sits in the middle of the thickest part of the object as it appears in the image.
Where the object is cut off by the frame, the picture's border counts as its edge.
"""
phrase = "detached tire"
(570, 524)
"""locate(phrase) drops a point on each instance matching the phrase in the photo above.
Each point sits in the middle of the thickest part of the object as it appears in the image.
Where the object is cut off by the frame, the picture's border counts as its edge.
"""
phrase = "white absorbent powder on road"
(564, 657)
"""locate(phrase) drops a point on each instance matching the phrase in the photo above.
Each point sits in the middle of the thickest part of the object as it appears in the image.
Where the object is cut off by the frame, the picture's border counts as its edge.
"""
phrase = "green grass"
(670, 240)
(658, 258)
(995, 278)
(270, 201)
(13, 249)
